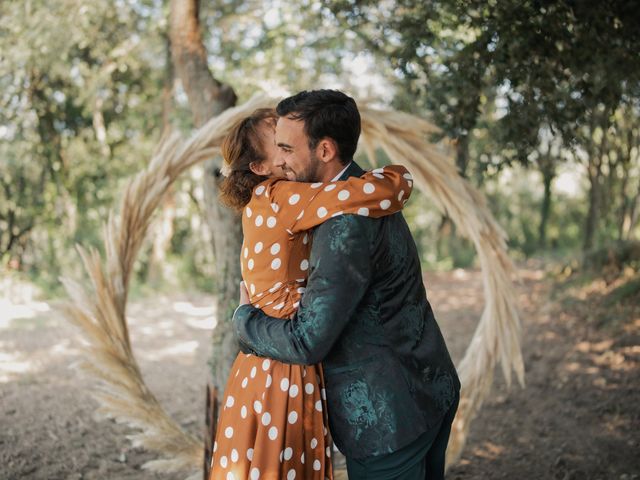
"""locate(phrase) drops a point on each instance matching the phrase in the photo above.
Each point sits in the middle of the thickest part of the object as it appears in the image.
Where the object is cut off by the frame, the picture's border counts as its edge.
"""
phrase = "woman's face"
(270, 167)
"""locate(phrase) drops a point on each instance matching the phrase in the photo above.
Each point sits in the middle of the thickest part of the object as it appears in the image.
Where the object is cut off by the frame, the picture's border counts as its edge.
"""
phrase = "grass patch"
(629, 291)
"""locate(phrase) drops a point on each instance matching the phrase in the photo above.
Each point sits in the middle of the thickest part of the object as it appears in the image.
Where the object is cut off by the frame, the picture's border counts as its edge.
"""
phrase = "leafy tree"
(78, 100)
(556, 72)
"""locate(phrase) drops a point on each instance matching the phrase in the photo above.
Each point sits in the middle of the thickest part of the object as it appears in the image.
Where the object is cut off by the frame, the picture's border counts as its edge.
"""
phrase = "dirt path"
(577, 418)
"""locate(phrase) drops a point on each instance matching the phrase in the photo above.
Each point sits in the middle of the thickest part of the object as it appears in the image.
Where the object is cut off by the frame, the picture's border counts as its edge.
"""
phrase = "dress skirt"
(273, 423)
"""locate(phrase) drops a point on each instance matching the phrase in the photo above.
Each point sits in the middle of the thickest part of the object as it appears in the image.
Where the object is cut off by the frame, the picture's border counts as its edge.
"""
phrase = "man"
(392, 390)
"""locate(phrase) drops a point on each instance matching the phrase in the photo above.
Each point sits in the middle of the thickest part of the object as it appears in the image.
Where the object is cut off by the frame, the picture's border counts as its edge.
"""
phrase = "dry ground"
(577, 418)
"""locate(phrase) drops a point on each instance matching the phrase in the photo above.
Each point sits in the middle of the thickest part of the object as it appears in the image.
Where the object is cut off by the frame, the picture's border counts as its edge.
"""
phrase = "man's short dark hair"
(325, 113)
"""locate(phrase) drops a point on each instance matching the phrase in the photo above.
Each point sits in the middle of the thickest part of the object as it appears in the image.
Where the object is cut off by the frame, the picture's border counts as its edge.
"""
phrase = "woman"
(274, 420)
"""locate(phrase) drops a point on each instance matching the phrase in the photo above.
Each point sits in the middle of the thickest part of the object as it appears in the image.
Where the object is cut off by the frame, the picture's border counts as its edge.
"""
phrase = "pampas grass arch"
(100, 310)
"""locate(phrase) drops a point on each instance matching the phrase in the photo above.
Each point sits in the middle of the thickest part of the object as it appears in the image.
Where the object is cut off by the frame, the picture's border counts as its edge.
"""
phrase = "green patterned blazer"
(365, 316)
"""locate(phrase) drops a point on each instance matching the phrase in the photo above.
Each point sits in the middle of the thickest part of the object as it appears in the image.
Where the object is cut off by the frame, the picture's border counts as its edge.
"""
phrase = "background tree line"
(541, 99)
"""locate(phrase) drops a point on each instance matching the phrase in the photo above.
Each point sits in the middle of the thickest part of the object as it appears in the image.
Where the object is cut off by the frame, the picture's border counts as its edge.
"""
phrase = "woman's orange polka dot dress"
(273, 423)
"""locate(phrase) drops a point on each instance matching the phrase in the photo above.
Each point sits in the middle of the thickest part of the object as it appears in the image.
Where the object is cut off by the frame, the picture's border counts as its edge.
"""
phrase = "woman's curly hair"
(242, 146)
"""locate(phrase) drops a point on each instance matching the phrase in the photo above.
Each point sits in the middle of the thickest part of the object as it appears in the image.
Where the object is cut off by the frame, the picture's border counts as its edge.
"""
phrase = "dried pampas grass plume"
(99, 310)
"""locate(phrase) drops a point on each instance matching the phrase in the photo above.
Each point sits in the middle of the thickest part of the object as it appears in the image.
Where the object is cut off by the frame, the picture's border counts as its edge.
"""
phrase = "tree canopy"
(547, 91)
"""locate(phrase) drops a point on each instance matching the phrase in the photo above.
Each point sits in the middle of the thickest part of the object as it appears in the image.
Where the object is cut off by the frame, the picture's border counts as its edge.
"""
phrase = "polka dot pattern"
(293, 391)
(293, 199)
(284, 384)
(278, 210)
(266, 419)
(288, 453)
(292, 418)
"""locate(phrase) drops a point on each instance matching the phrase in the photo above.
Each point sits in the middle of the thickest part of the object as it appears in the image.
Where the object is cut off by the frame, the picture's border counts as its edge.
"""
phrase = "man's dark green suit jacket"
(365, 316)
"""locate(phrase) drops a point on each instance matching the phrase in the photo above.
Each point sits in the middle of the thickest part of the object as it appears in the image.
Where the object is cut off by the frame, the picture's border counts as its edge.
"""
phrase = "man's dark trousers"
(422, 459)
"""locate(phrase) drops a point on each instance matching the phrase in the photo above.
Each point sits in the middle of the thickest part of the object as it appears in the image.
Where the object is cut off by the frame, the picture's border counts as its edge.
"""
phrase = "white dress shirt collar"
(340, 174)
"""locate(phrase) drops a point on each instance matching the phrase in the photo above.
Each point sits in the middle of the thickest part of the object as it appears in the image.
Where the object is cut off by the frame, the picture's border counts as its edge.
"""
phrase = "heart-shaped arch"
(100, 311)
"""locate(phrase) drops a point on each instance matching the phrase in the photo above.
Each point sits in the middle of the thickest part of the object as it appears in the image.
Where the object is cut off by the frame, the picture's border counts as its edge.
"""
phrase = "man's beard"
(309, 174)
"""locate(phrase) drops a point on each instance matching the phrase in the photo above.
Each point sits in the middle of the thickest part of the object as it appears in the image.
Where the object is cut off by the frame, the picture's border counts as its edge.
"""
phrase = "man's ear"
(326, 150)
(260, 168)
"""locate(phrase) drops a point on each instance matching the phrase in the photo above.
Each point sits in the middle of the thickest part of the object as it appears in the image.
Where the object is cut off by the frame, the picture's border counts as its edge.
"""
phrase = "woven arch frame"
(99, 310)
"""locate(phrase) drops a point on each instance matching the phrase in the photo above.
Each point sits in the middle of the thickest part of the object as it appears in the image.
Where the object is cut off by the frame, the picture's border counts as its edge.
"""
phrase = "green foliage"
(271, 45)
(77, 100)
(528, 91)
(521, 82)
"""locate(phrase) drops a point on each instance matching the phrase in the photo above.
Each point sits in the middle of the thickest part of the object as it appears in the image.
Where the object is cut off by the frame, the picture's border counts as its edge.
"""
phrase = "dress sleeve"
(340, 275)
(381, 192)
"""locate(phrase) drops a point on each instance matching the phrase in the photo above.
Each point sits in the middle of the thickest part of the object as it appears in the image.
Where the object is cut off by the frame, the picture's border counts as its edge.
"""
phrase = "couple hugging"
(338, 341)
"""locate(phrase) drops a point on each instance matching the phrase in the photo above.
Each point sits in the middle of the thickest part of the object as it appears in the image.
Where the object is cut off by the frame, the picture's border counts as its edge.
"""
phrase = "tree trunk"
(631, 217)
(163, 228)
(167, 87)
(594, 171)
(595, 174)
(548, 174)
(207, 98)
(446, 228)
(627, 202)
(462, 154)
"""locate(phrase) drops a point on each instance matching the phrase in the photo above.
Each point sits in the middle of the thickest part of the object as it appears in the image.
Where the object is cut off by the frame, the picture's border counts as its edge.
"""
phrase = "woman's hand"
(244, 294)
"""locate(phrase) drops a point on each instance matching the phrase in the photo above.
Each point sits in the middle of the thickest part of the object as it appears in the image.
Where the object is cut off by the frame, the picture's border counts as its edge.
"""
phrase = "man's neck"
(333, 172)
